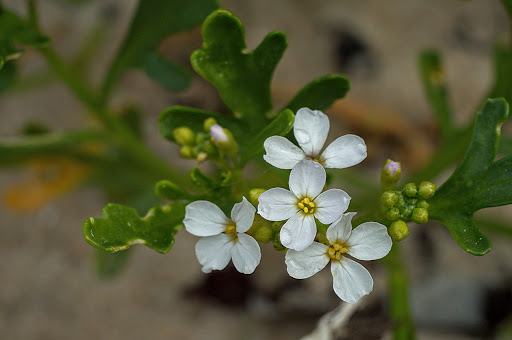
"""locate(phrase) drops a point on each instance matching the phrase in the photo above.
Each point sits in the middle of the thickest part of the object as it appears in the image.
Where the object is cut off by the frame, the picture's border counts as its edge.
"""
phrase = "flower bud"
(224, 140)
(390, 174)
(393, 214)
(208, 123)
(186, 152)
(184, 135)
(201, 157)
(398, 230)
(422, 204)
(264, 234)
(410, 190)
(426, 190)
(218, 134)
(420, 215)
(389, 198)
(254, 194)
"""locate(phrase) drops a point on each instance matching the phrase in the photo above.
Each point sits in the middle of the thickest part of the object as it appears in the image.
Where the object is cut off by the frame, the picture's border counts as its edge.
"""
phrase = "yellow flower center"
(336, 251)
(231, 230)
(307, 206)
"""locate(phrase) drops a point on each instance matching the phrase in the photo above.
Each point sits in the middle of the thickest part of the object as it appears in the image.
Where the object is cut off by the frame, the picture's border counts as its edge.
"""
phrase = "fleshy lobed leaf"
(280, 126)
(478, 182)
(241, 77)
(153, 21)
(121, 227)
(321, 93)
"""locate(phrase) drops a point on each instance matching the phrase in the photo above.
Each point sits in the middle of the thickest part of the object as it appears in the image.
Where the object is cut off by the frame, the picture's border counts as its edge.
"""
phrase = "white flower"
(310, 129)
(224, 238)
(351, 281)
(301, 204)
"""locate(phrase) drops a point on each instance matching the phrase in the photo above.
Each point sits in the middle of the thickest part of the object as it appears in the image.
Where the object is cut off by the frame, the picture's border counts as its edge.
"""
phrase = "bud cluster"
(214, 142)
(409, 204)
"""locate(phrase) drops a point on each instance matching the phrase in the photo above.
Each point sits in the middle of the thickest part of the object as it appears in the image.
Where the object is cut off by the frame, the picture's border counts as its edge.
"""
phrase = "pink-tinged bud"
(390, 174)
(218, 134)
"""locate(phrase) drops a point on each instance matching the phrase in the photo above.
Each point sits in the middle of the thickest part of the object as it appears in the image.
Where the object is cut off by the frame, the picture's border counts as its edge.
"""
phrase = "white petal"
(298, 232)
(331, 204)
(214, 252)
(307, 179)
(341, 229)
(345, 151)
(243, 215)
(306, 263)
(369, 241)
(203, 218)
(310, 129)
(277, 204)
(282, 153)
(246, 254)
(351, 281)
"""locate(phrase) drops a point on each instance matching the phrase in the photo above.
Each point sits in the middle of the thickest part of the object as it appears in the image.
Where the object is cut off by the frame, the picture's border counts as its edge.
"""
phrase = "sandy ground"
(49, 289)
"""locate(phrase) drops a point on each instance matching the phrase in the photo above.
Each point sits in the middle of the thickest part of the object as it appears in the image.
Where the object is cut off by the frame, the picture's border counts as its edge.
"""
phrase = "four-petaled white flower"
(351, 281)
(301, 204)
(223, 238)
(310, 129)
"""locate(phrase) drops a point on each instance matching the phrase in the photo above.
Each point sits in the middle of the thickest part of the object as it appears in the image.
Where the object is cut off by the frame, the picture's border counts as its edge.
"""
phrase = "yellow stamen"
(306, 205)
(336, 251)
(231, 230)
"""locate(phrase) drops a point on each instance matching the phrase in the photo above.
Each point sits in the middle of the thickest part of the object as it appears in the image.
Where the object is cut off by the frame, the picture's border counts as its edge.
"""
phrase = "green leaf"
(202, 180)
(169, 190)
(478, 182)
(166, 72)
(121, 227)
(154, 20)
(320, 93)
(20, 149)
(177, 116)
(241, 77)
(15, 29)
(280, 126)
(432, 76)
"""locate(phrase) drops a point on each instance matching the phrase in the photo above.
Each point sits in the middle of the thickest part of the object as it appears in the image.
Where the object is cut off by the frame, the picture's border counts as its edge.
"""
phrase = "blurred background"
(50, 287)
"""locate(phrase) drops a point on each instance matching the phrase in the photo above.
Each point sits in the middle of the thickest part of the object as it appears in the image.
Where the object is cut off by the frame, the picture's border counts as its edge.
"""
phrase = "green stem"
(121, 133)
(399, 311)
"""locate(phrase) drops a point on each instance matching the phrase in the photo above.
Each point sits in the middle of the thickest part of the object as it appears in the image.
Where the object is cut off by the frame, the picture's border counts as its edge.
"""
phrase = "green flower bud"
(388, 198)
(390, 174)
(201, 137)
(184, 135)
(410, 190)
(254, 194)
(264, 234)
(398, 230)
(393, 214)
(422, 204)
(426, 190)
(420, 215)
(208, 123)
(186, 152)
(407, 212)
